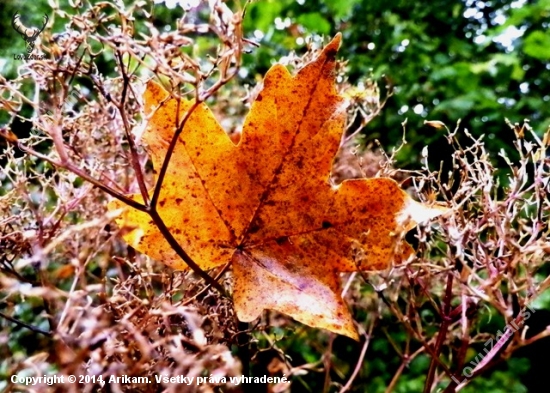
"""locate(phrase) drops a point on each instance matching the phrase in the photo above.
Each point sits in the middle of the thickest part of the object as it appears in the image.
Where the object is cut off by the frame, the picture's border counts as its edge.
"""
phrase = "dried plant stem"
(170, 151)
(327, 356)
(407, 324)
(445, 316)
(404, 363)
(359, 363)
(182, 254)
(327, 362)
(127, 131)
(243, 344)
(366, 119)
(25, 325)
(79, 172)
(204, 289)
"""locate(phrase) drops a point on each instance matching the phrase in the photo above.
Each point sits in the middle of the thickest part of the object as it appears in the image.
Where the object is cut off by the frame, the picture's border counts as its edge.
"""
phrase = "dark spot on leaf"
(161, 203)
(178, 201)
(259, 98)
(254, 228)
(331, 53)
(326, 224)
(281, 240)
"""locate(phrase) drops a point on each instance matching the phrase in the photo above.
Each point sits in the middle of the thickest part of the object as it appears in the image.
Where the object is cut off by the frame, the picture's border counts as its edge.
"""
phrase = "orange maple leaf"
(267, 204)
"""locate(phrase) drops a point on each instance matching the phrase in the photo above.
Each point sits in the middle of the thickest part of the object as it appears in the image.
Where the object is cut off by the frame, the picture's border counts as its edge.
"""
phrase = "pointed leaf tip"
(332, 47)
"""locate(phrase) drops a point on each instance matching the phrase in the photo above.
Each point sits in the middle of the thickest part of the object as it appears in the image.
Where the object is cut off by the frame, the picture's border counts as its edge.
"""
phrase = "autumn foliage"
(137, 238)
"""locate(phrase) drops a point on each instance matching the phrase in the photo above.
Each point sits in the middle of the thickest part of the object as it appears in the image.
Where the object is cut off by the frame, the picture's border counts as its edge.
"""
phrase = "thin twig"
(406, 323)
(134, 156)
(206, 287)
(25, 325)
(170, 151)
(406, 360)
(77, 171)
(445, 313)
(327, 362)
(182, 254)
(359, 363)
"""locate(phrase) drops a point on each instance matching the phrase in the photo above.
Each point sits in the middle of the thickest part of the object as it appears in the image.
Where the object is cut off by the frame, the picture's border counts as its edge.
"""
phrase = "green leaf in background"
(314, 22)
(542, 301)
(537, 45)
(341, 9)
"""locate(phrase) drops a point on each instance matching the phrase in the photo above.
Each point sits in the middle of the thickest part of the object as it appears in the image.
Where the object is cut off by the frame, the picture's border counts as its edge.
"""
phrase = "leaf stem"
(170, 151)
(181, 252)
